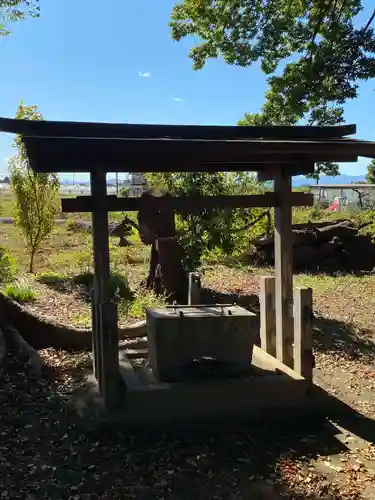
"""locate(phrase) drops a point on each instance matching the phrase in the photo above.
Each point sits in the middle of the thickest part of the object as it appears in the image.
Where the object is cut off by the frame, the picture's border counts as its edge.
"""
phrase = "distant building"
(4, 179)
(347, 193)
(137, 183)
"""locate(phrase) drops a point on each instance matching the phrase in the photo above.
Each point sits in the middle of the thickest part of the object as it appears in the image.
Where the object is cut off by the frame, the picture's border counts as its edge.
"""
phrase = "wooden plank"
(267, 315)
(110, 356)
(269, 362)
(194, 291)
(105, 319)
(255, 163)
(137, 353)
(128, 373)
(89, 129)
(303, 315)
(84, 154)
(184, 204)
(96, 299)
(96, 363)
(283, 269)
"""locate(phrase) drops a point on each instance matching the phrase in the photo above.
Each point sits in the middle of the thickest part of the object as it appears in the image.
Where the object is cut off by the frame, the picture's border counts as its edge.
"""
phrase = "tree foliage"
(16, 10)
(313, 52)
(8, 266)
(370, 176)
(209, 230)
(35, 194)
(362, 194)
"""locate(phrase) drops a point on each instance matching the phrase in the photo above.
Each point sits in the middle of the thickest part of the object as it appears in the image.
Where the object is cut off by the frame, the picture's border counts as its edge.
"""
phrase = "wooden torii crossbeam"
(276, 153)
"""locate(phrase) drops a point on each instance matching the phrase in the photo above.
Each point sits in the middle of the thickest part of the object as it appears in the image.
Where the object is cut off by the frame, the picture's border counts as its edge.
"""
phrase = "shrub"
(142, 300)
(51, 278)
(20, 293)
(8, 267)
(118, 285)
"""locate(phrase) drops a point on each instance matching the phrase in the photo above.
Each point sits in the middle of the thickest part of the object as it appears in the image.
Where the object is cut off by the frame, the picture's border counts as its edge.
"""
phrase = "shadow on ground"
(334, 335)
(49, 449)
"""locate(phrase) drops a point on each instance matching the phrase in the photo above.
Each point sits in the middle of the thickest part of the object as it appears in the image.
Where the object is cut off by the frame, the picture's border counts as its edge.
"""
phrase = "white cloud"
(144, 75)
(177, 99)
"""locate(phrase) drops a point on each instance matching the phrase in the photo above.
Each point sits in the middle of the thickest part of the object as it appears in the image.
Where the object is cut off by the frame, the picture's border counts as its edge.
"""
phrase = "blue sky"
(87, 60)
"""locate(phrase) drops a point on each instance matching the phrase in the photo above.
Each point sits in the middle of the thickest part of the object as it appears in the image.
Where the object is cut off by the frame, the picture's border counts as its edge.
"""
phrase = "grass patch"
(51, 278)
(143, 299)
(20, 292)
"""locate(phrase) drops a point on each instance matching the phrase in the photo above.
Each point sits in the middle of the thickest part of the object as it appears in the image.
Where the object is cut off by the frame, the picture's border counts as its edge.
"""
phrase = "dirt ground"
(48, 451)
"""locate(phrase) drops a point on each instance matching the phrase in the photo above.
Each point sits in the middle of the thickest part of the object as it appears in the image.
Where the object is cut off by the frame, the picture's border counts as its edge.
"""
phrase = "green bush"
(144, 299)
(8, 267)
(118, 285)
(20, 292)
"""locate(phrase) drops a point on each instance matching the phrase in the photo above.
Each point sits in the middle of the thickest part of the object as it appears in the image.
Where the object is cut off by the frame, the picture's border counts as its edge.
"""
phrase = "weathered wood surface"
(87, 154)
(303, 320)
(129, 130)
(105, 330)
(283, 269)
(267, 315)
(194, 291)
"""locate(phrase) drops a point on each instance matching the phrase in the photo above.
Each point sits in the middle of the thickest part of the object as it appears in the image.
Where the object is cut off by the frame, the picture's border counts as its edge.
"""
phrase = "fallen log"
(342, 230)
(311, 224)
(315, 236)
(334, 246)
(135, 343)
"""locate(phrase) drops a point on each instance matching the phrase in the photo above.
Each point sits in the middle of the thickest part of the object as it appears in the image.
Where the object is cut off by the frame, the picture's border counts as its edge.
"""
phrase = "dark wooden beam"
(256, 163)
(53, 154)
(143, 131)
(188, 204)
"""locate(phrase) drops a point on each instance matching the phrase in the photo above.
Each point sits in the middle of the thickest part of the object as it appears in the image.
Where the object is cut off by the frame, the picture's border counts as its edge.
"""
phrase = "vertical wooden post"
(95, 341)
(267, 315)
(283, 267)
(303, 318)
(194, 292)
(105, 334)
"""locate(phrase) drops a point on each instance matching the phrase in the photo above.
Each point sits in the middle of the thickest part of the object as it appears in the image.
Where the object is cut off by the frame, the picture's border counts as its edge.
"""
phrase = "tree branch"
(368, 24)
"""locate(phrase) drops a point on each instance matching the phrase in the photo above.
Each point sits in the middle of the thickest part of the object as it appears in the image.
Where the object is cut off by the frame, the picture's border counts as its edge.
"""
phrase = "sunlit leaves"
(210, 229)
(314, 51)
(16, 10)
(370, 176)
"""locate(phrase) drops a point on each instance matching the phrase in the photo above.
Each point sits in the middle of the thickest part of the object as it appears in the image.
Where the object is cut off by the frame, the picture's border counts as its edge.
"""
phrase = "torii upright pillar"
(104, 312)
(284, 267)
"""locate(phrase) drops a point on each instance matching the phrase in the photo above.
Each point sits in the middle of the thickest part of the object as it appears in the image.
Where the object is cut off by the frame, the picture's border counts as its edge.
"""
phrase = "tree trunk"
(166, 273)
(32, 258)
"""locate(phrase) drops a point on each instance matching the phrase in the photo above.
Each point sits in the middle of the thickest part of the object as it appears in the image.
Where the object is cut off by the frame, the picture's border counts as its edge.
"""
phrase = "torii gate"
(275, 152)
